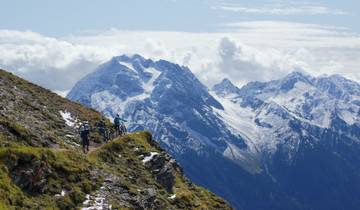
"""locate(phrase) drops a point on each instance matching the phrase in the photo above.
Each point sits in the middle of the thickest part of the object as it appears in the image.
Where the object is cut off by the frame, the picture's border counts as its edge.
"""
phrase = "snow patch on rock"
(172, 197)
(69, 120)
(62, 194)
(150, 157)
(97, 201)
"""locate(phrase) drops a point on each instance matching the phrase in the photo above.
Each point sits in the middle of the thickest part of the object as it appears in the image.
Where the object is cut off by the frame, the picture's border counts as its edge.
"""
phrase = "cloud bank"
(280, 9)
(256, 50)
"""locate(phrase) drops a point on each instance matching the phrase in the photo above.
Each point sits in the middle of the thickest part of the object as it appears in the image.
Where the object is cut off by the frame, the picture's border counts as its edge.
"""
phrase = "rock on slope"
(41, 166)
(268, 145)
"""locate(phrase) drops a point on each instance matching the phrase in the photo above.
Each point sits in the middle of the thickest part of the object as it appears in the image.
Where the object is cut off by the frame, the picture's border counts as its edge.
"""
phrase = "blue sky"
(58, 18)
(55, 43)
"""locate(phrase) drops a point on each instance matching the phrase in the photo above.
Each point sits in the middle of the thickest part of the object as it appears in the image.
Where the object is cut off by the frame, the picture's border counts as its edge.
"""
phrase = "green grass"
(69, 170)
(188, 196)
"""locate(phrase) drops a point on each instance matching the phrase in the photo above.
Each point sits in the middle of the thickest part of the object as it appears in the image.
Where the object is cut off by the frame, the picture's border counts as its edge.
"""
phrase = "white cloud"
(260, 50)
(296, 35)
(243, 63)
(53, 63)
(282, 9)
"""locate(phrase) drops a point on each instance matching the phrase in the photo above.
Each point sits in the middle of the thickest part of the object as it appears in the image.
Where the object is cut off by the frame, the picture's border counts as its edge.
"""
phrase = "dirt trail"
(93, 146)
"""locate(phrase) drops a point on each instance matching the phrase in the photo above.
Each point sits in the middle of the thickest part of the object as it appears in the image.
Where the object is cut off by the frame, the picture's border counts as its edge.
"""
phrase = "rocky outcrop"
(163, 167)
(29, 174)
(113, 189)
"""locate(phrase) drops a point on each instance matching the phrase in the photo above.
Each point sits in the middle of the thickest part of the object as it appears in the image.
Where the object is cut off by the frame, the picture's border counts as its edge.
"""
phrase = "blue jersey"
(118, 120)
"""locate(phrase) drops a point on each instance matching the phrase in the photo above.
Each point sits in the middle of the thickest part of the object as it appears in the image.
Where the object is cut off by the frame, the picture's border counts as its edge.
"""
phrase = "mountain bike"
(122, 129)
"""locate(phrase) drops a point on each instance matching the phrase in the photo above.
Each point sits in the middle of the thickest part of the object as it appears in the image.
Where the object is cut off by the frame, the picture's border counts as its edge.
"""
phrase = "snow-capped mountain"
(266, 112)
(159, 96)
(267, 145)
(225, 87)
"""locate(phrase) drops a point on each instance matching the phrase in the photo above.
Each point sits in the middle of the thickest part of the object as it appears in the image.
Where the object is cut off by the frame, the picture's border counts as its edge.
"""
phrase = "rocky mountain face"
(147, 91)
(306, 132)
(291, 143)
(42, 165)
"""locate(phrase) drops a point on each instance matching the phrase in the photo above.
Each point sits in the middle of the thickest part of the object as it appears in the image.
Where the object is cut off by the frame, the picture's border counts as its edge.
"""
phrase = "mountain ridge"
(42, 165)
(237, 144)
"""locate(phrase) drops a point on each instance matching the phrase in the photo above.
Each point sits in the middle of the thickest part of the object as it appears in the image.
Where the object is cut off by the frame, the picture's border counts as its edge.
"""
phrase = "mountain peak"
(225, 87)
(288, 82)
(132, 59)
(297, 75)
(339, 78)
(338, 86)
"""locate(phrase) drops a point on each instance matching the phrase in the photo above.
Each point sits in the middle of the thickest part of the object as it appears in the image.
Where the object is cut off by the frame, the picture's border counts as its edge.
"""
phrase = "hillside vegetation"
(42, 166)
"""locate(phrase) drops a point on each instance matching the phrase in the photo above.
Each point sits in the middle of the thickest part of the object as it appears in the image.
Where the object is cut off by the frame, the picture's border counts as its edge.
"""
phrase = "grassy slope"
(29, 114)
(131, 148)
(37, 161)
(61, 171)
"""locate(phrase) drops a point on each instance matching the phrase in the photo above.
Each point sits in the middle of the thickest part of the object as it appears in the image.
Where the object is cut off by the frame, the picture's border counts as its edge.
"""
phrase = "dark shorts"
(117, 127)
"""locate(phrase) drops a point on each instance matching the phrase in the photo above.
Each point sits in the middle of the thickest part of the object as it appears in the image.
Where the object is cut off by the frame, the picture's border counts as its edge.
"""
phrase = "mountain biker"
(118, 123)
(102, 129)
(84, 133)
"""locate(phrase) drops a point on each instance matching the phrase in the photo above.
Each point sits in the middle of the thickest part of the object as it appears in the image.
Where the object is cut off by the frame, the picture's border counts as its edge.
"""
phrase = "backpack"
(86, 127)
(85, 130)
